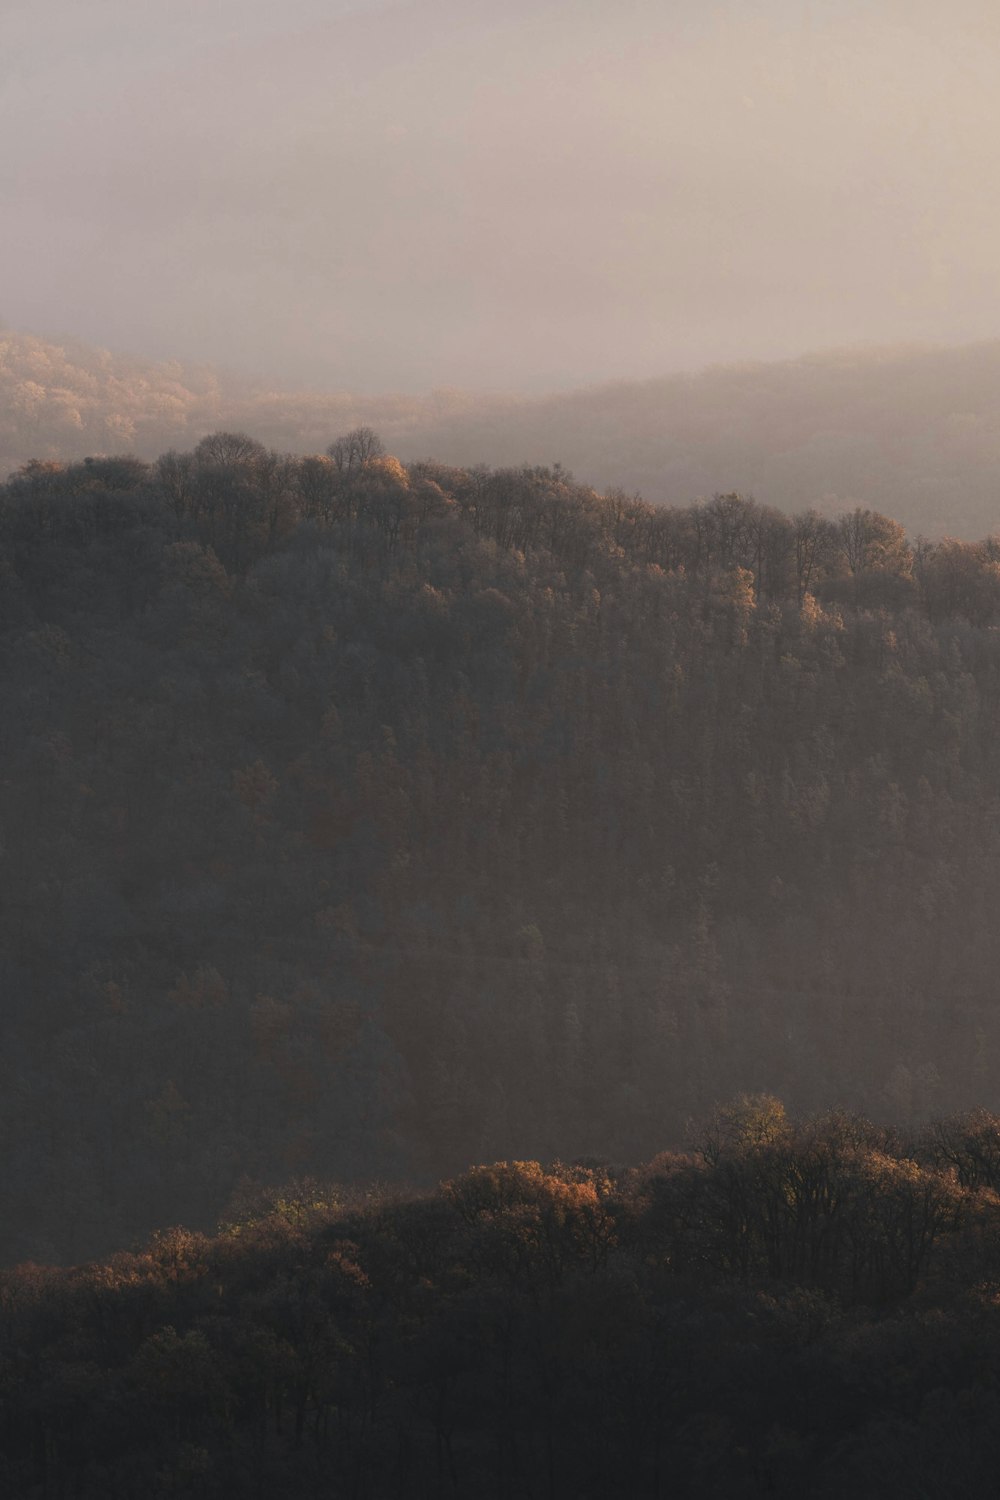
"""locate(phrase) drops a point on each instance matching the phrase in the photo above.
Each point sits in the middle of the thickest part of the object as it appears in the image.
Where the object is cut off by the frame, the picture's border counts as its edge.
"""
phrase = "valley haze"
(526, 196)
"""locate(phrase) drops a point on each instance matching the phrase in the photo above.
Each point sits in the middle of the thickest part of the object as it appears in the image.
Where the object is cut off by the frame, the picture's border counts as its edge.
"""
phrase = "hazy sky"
(498, 193)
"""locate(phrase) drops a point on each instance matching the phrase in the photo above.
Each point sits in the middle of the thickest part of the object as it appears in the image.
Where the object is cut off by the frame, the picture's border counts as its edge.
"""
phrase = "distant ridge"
(913, 432)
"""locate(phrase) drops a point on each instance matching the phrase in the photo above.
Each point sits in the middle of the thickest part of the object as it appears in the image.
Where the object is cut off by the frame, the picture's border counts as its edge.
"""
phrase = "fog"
(521, 196)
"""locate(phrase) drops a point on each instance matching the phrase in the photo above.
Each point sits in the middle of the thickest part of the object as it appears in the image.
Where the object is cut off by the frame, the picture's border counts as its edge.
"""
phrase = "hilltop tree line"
(911, 432)
(786, 1309)
(363, 819)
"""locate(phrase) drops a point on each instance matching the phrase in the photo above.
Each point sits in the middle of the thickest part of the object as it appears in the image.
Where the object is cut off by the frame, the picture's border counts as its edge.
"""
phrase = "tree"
(225, 449)
(355, 449)
(873, 543)
(814, 541)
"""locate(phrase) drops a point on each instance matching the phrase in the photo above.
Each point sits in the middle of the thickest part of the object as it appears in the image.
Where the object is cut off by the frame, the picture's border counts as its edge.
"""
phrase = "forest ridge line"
(912, 432)
(244, 498)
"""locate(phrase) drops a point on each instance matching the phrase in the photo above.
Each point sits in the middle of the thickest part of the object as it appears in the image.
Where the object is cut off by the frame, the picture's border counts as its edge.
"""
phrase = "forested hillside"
(789, 1310)
(911, 432)
(363, 820)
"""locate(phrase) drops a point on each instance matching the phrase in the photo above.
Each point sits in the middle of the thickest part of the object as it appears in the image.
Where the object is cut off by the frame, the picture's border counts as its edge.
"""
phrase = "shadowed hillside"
(361, 819)
(791, 1309)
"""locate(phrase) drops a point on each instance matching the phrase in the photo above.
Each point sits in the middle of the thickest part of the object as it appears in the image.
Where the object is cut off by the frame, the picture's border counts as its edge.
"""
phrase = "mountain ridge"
(913, 431)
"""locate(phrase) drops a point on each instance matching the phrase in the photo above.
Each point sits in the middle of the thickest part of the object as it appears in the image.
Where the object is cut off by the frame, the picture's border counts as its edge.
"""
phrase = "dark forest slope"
(785, 1312)
(360, 821)
(914, 433)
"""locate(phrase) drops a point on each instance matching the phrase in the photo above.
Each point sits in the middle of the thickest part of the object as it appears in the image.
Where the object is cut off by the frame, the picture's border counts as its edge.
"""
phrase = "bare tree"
(814, 541)
(355, 449)
(223, 449)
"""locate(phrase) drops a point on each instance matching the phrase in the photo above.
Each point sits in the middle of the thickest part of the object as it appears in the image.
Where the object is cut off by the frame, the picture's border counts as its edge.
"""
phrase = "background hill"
(912, 432)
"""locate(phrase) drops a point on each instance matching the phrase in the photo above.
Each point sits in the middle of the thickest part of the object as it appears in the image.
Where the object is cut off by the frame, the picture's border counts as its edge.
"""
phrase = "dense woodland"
(787, 1310)
(911, 432)
(364, 821)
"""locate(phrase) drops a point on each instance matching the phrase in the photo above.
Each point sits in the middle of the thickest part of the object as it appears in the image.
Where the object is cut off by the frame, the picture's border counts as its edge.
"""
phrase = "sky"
(520, 195)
